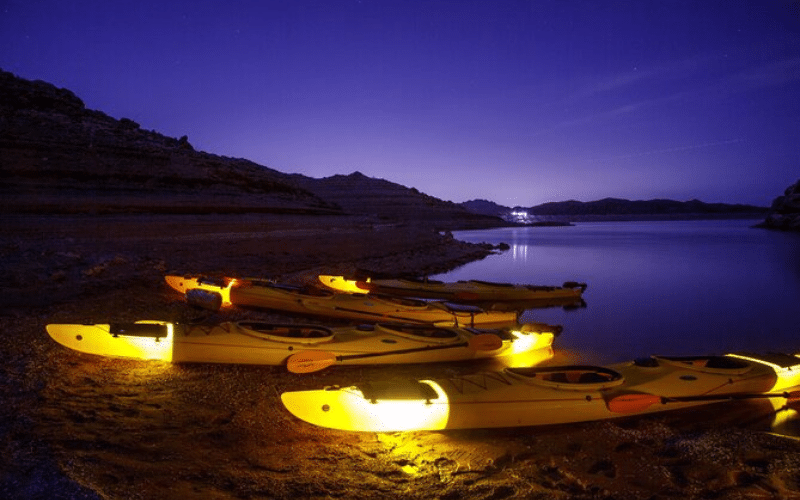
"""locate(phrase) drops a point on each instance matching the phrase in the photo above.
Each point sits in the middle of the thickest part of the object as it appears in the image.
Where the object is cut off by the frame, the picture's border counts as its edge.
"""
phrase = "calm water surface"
(679, 288)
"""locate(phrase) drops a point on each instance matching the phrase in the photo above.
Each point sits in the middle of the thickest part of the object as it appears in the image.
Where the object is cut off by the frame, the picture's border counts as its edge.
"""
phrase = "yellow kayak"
(318, 302)
(303, 348)
(547, 395)
(459, 291)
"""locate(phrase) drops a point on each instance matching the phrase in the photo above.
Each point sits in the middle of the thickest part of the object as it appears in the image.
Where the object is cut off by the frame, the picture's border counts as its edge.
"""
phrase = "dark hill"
(58, 156)
(357, 193)
(616, 206)
(486, 207)
(619, 209)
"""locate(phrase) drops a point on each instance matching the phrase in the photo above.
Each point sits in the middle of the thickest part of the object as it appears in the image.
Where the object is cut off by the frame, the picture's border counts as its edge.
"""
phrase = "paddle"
(633, 403)
(312, 361)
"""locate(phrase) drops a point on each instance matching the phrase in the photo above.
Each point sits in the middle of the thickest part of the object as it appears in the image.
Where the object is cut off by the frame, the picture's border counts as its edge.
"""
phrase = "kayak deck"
(213, 294)
(461, 291)
(253, 342)
(543, 395)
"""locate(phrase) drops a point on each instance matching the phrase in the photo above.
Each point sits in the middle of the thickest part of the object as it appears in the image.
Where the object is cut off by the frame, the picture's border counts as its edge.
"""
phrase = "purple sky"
(519, 102)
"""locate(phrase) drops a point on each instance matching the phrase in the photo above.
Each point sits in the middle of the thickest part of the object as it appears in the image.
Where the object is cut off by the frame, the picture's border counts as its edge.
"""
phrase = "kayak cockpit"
(577, 377)
(310, 334)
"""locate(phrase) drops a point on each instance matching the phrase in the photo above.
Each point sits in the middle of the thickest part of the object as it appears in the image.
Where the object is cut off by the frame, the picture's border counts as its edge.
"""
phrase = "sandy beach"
(80, 426)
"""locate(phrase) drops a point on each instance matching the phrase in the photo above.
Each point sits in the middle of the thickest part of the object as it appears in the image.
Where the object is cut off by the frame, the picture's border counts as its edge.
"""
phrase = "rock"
(785, 210)
(60, 157)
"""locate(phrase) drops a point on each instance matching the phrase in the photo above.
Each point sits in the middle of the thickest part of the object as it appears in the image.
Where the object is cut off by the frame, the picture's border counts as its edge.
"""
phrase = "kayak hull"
(266, 295)
(538, 396)
(461, 291)
(274, 344)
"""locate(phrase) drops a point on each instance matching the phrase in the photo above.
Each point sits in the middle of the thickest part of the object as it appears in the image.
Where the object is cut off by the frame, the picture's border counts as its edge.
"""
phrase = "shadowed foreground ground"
(78, 426)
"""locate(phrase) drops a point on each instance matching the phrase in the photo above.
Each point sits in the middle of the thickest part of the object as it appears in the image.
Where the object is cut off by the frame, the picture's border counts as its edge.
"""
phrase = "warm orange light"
(787, 376)
(529, 341)
(341, 284)
(184, 284)
(99, 339)
(348, 409)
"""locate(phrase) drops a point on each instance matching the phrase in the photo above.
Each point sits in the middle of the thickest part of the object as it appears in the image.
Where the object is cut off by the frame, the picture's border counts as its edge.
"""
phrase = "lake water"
(672, 288)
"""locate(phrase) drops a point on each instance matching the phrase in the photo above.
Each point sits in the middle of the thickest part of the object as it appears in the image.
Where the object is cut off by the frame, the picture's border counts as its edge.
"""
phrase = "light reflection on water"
(680, 288)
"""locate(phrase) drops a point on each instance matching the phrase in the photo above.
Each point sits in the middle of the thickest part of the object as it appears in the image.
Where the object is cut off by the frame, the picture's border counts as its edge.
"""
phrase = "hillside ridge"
(57, 156)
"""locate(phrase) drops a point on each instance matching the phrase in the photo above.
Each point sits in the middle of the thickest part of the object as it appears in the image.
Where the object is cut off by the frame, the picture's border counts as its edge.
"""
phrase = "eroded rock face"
(57, 155)
(785, 211)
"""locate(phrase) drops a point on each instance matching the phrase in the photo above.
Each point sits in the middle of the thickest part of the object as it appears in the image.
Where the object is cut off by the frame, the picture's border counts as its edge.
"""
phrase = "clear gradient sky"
(519, 102)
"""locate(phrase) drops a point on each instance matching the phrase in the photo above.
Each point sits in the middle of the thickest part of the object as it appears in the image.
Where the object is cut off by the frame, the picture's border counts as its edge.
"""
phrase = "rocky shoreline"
(78, 426)
(785, 211)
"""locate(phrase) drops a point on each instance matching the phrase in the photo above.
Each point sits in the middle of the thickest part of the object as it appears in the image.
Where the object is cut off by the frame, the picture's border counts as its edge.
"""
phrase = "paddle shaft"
(346, 357)
(455, 316)
(723, 397)
(311, 361)
(634, 403)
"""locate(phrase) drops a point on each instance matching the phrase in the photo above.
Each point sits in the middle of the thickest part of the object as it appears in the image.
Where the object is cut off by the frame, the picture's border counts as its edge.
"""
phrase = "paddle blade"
(310, 361)
(632, 403)
(485, 342)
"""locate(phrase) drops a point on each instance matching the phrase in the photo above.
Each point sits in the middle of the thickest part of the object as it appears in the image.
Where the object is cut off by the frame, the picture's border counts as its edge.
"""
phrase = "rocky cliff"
(785, 210)
(57, 156)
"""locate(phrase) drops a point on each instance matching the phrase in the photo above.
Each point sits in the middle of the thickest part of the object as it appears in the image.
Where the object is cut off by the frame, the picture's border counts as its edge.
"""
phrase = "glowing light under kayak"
(159, 348)
(343, 284)
(132, 341)
(787, 376)
(350, 409)
(526, 342)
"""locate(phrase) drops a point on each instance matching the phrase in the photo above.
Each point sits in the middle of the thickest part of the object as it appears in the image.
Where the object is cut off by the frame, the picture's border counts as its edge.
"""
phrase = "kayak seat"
(591, 378)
